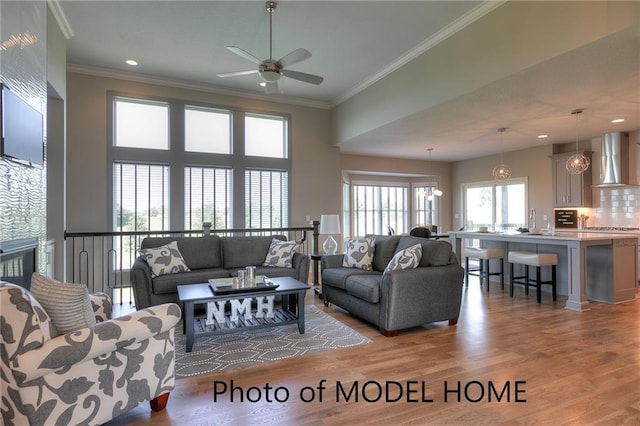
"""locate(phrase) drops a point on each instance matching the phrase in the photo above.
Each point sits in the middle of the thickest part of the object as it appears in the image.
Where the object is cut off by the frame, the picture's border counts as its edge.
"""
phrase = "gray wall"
(315, 174)
(56, 143)
(533, 163)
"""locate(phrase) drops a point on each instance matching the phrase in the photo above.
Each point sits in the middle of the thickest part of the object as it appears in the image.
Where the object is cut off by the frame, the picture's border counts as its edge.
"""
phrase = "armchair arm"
(62, 352)
(141, 283)
(300, 263)
(331, 261)
(410, 297)
(102, 306)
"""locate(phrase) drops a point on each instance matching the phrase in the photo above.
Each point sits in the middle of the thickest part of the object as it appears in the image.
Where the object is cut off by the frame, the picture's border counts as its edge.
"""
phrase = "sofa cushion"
(408, 258)
(359, 253)
(238, 252)
(197, 252)
(68, 305)
(434, 252)
(166, 284)
(280, 253)
(337, 277)
(165, 259)
(384, 250)
(365, 287)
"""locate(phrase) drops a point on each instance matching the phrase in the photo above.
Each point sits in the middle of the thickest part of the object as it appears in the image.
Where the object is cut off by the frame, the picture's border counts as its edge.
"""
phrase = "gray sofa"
(397, 299)
(208, 257)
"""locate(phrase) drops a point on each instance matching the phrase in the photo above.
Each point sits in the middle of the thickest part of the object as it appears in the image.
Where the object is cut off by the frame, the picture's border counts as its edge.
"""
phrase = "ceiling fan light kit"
(270, 70)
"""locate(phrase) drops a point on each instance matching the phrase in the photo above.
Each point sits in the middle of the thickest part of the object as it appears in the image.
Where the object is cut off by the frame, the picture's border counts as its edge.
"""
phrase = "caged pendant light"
(436, 191)
(578, 163)
(501, 171)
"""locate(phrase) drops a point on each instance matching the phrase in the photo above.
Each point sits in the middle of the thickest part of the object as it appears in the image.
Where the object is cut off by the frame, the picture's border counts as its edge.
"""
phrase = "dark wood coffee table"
(291, 311)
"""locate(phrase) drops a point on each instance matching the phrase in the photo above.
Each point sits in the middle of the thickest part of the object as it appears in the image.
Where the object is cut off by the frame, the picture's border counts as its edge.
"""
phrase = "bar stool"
(538, 260)
(484, 255)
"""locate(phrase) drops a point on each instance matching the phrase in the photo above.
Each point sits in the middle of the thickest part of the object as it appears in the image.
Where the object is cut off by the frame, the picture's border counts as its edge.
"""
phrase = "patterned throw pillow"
(359, 253)
(68, 305)
(281, 253)
(408, 258)
(165, 259)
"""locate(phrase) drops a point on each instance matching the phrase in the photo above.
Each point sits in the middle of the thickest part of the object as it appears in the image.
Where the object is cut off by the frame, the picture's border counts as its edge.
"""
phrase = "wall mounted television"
(21, 127)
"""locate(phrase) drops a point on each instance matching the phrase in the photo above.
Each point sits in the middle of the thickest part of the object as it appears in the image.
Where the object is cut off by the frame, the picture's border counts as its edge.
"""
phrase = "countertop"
(558, 236)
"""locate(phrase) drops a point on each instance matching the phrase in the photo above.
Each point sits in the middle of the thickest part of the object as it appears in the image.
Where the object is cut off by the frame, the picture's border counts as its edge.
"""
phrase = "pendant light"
(436, 191)
(501, 171)
(578, 163)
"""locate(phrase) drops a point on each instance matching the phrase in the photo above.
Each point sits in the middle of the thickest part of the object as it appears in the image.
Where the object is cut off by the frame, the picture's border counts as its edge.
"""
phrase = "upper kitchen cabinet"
(570, 190)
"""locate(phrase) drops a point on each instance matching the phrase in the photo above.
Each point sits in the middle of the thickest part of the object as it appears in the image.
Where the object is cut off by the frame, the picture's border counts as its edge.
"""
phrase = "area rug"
(254, 346)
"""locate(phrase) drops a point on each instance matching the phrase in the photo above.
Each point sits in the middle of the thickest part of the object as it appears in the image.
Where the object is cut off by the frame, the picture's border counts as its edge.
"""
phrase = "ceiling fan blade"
(294, 57)
(302, 76)
(271, 88)
(236, 73)
(248, 56)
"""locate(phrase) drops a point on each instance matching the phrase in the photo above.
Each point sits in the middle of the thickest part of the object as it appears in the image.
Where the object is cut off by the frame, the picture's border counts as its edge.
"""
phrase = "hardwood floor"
(513, 361)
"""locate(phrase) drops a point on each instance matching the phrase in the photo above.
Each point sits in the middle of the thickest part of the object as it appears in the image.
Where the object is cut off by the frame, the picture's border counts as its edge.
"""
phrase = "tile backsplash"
(616, 207)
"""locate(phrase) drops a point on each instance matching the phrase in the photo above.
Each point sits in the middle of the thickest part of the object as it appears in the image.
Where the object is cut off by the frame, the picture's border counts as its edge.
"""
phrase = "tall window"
(376, 209)
(231, 179)
(141, 197)
(266, 196)
(265, 136)
(424, 205)
(141, 124)
(208, 197)
(501, 205)
(346, 208)
(207, 130)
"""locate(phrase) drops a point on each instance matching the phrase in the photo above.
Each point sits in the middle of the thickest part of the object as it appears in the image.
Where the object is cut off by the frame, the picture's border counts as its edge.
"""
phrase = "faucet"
(532, 218)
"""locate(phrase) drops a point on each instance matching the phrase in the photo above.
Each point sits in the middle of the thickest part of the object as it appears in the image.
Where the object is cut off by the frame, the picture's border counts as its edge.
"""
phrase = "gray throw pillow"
(281, 253)
(164, 260)
(408, 258)
(68, 305)
(359, 253)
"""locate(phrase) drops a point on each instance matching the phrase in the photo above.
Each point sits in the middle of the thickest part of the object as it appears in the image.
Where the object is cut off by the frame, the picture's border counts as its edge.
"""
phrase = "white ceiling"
(354, 44)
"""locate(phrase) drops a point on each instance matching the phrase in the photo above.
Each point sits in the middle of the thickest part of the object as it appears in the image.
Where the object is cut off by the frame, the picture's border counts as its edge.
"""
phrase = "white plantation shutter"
(208, 197)
(266, 199)
(141, 197)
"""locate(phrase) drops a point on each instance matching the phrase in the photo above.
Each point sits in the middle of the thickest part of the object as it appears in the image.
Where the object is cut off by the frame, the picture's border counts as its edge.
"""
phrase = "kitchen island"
(591, 266)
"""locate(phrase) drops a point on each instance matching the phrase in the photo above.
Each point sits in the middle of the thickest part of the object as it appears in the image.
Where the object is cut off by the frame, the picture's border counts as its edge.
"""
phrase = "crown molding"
(181, 84)
(61, 19)
(457, 25)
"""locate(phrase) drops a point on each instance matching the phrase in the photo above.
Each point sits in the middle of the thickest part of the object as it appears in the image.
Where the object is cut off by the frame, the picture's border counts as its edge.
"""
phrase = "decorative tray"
(221, 286)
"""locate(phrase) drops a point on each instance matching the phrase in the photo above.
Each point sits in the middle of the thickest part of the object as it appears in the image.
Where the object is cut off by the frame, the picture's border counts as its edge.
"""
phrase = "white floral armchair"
(84, 377)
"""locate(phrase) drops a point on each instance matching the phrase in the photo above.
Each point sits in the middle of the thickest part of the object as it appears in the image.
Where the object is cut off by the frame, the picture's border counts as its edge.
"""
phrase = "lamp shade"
(329, 224)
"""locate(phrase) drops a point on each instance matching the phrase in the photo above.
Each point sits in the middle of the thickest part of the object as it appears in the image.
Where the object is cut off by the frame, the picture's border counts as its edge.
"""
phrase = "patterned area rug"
(254, 346)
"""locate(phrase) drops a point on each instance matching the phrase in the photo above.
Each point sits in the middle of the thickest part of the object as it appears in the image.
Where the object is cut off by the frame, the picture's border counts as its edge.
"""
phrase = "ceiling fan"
(271, 70)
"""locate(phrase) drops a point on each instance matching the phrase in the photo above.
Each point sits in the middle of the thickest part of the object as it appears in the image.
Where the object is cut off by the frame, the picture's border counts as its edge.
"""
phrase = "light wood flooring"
(571, 367)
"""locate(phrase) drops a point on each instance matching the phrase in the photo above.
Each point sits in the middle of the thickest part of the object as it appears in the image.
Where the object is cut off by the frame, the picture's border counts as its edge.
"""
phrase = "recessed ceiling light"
(618, 120)
(543, 136)
(131, 62)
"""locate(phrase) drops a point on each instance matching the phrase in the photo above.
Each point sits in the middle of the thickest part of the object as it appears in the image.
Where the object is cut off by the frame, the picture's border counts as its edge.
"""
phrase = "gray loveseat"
(397, 299)
(208, 257)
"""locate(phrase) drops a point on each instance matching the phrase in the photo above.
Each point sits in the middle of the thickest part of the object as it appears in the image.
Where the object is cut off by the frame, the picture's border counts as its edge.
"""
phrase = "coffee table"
(291, 311)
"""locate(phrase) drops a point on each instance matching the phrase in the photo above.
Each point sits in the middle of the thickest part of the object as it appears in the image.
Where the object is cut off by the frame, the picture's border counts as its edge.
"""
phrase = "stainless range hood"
(614, 161)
